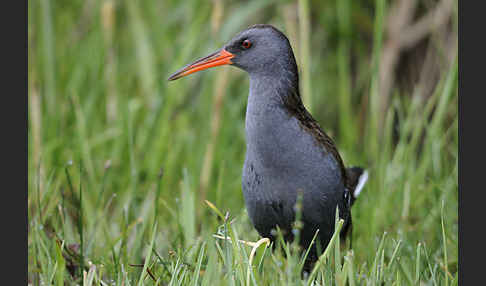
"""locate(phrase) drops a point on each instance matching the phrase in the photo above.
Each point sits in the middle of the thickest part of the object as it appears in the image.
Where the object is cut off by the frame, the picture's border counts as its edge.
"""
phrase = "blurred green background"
(114, 148)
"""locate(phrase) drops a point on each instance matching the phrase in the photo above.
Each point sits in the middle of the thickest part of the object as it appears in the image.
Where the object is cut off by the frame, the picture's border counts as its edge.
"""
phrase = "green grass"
(121, 161)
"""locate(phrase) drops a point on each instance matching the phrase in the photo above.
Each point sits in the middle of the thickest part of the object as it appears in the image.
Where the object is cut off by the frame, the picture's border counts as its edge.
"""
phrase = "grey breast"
(282, 159)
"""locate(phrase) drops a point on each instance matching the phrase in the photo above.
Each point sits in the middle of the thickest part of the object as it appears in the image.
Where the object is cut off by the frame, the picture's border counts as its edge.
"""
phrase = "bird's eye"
(246, 44)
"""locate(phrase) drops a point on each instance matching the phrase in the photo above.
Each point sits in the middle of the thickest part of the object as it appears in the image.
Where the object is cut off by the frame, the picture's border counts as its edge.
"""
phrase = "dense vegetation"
(121, 163)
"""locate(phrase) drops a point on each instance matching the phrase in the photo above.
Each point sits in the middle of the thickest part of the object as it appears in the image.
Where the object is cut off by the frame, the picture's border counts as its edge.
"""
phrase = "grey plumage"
(286, 150)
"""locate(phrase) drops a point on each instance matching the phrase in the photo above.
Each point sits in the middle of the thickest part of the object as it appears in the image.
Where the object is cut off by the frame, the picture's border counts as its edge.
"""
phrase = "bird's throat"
(268, 122)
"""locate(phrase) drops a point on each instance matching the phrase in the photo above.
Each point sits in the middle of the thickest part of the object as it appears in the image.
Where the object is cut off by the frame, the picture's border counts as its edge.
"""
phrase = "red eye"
(246, 44)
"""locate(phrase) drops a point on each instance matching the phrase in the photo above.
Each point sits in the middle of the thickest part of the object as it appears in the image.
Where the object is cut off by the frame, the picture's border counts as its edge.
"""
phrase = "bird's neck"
(268, 120)
(273, 93)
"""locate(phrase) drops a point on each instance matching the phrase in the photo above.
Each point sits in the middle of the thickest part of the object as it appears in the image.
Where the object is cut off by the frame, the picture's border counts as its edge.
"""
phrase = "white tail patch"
(361, 182)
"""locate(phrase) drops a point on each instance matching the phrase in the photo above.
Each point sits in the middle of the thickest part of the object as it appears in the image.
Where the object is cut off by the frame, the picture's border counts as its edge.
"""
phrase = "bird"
(288, 155)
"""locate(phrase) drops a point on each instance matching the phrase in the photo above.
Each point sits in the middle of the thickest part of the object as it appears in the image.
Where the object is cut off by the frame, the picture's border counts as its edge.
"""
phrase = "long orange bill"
(221, 57)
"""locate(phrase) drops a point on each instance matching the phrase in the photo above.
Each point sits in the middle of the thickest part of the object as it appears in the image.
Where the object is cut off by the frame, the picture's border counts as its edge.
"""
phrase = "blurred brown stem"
(35, 116)
(291, 19)
(206, 170)
(220, 87)
(403, 34)
(108, 22)
(305, 53)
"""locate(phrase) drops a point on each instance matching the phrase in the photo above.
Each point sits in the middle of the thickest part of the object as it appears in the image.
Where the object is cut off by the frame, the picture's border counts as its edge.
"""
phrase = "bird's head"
(260, 49)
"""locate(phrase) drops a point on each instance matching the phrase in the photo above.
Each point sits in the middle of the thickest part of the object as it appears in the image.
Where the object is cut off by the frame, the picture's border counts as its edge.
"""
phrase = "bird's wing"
(297, 109)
